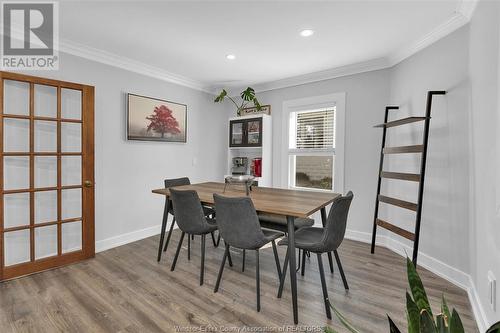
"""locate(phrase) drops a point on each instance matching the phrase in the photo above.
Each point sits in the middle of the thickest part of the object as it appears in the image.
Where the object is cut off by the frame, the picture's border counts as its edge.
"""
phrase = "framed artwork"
(153, 119)
(265, 109)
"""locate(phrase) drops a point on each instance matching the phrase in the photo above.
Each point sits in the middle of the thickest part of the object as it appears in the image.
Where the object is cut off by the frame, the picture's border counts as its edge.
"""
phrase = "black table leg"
(163, 226)
(323, 221)
(292, 263)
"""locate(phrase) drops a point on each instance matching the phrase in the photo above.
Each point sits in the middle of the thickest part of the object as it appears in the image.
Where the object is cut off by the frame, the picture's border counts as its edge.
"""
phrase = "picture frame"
(154, 119)
(265, 109)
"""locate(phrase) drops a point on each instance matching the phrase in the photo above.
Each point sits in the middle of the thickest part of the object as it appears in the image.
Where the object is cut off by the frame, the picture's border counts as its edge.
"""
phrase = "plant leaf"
(417, 288)
(257, 104)
(445, 310)
(328, 329)
(248, 94)
(343, 319)
(456, 323)
(494, 329)
(393, 328)
(412, 314)
(427, 323)
(221, 96)
(442, 327)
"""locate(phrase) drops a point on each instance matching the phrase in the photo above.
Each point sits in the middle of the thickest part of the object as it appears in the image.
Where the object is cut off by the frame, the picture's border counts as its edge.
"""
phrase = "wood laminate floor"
(125, 290)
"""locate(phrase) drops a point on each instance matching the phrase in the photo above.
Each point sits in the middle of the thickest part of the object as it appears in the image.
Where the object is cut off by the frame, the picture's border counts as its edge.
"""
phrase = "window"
(312, 154)
(312, 148)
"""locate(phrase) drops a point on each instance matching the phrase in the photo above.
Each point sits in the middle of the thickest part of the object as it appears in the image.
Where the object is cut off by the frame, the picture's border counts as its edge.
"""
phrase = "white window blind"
(315, 129)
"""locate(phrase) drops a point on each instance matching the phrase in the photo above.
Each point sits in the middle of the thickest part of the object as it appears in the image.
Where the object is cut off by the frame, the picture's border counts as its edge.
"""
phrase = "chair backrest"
(238, 222)
(176, 182)
(336, 222)
(188, 211)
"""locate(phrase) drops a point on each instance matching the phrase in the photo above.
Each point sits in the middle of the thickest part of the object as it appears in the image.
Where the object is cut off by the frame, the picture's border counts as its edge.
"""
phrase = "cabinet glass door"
(254, 132)
(236, 134)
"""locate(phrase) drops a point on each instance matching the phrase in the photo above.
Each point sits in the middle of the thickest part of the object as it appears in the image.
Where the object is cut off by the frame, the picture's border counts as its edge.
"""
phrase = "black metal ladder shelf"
(420, 177)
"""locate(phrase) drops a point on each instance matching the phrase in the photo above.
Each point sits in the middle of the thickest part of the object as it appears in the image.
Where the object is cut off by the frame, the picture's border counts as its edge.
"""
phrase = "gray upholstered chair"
(207, 210)
(191, 220)
(323, 240)
(240, 228)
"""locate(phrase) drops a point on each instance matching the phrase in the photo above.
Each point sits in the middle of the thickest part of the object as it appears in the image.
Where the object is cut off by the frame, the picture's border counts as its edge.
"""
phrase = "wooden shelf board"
(402, 121)
(413, 177)
(395, 229)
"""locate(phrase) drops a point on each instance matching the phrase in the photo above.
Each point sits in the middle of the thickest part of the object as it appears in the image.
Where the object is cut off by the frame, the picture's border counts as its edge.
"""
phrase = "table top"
(265, 199)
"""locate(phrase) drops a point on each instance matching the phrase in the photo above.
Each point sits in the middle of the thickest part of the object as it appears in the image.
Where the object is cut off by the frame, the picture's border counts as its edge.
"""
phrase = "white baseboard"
(441, 269)
(115, 241)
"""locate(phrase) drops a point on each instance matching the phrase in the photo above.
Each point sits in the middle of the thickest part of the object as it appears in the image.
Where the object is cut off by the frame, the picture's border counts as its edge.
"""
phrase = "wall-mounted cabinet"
(245, 132)
(251, 137)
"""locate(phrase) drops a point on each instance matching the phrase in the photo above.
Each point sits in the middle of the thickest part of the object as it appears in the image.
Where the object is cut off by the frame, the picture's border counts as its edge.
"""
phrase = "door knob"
(87, 183)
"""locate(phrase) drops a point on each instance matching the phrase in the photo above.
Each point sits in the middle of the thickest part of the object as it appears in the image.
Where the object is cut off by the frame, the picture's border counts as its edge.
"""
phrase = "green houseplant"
(247, 96)
(418, 312)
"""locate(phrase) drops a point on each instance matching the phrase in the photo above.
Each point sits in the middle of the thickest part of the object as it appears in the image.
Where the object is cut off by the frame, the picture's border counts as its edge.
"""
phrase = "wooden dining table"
(284, 202)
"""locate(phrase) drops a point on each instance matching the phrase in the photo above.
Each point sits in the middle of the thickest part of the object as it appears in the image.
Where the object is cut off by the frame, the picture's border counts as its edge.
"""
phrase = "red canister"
(257, 171)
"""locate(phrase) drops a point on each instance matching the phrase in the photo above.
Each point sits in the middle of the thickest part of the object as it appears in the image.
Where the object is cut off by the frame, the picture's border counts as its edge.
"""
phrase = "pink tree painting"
(162, 121)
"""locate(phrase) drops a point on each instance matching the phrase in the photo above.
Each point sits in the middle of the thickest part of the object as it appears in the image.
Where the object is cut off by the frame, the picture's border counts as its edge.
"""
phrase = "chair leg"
(202, 268)
(189, 247)
(277, 259)
(303, 268)
(243, 263)
(330, 261)
(221, 269)
(169, 235)
(298, 262)
(229, 259)
(216, 242)
(323, 286)
(283, 274)
(257, 278)
(337, 258)
(177, 252)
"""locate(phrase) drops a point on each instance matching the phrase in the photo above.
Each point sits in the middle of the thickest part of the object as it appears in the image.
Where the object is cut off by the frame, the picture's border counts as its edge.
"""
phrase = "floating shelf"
(402, 121)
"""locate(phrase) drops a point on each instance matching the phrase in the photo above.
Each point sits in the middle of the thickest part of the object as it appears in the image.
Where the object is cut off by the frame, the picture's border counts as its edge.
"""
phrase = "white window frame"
(336, 100)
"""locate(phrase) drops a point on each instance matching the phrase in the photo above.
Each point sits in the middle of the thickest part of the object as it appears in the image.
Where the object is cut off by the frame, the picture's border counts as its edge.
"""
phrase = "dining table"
(291, 203)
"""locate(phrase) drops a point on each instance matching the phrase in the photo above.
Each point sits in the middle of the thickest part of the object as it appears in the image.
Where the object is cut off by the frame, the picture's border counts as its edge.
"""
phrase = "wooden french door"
(46, 174)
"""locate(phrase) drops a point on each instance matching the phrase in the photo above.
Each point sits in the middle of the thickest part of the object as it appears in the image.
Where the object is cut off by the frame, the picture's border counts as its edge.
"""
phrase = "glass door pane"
(16, 247)
(236, 133)
(16, 97)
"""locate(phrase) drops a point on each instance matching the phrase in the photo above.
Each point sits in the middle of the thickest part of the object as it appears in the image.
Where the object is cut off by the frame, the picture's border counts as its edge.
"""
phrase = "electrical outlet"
(492, 285)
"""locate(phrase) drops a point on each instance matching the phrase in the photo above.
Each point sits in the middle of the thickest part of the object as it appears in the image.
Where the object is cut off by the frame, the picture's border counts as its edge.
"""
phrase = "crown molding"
(453, 23)
(128, 64)
(360, 67)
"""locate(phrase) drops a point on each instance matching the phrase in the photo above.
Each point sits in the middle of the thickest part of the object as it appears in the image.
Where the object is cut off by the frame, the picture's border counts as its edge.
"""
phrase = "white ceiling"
(187, 41)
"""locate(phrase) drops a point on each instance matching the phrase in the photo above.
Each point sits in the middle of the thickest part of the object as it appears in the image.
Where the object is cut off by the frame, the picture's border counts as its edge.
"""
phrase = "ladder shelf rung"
(397, 202)
(413, 177)
(402, 122)
(395, 229)
(404, 149)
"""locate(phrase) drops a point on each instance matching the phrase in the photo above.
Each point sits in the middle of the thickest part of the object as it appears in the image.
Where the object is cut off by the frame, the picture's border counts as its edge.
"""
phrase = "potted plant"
(247, 96)
(418, 312)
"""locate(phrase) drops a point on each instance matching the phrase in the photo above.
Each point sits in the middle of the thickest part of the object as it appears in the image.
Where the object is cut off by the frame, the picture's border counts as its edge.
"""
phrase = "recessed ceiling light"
(307, 33)
(230, 57)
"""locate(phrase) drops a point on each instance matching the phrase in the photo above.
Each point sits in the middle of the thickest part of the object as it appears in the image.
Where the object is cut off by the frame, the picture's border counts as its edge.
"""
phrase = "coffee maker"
(240, 166)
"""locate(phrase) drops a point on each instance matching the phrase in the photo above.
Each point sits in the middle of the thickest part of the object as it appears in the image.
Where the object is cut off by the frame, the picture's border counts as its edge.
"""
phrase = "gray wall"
(127, 171)
(445, 219)
(485, 123)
